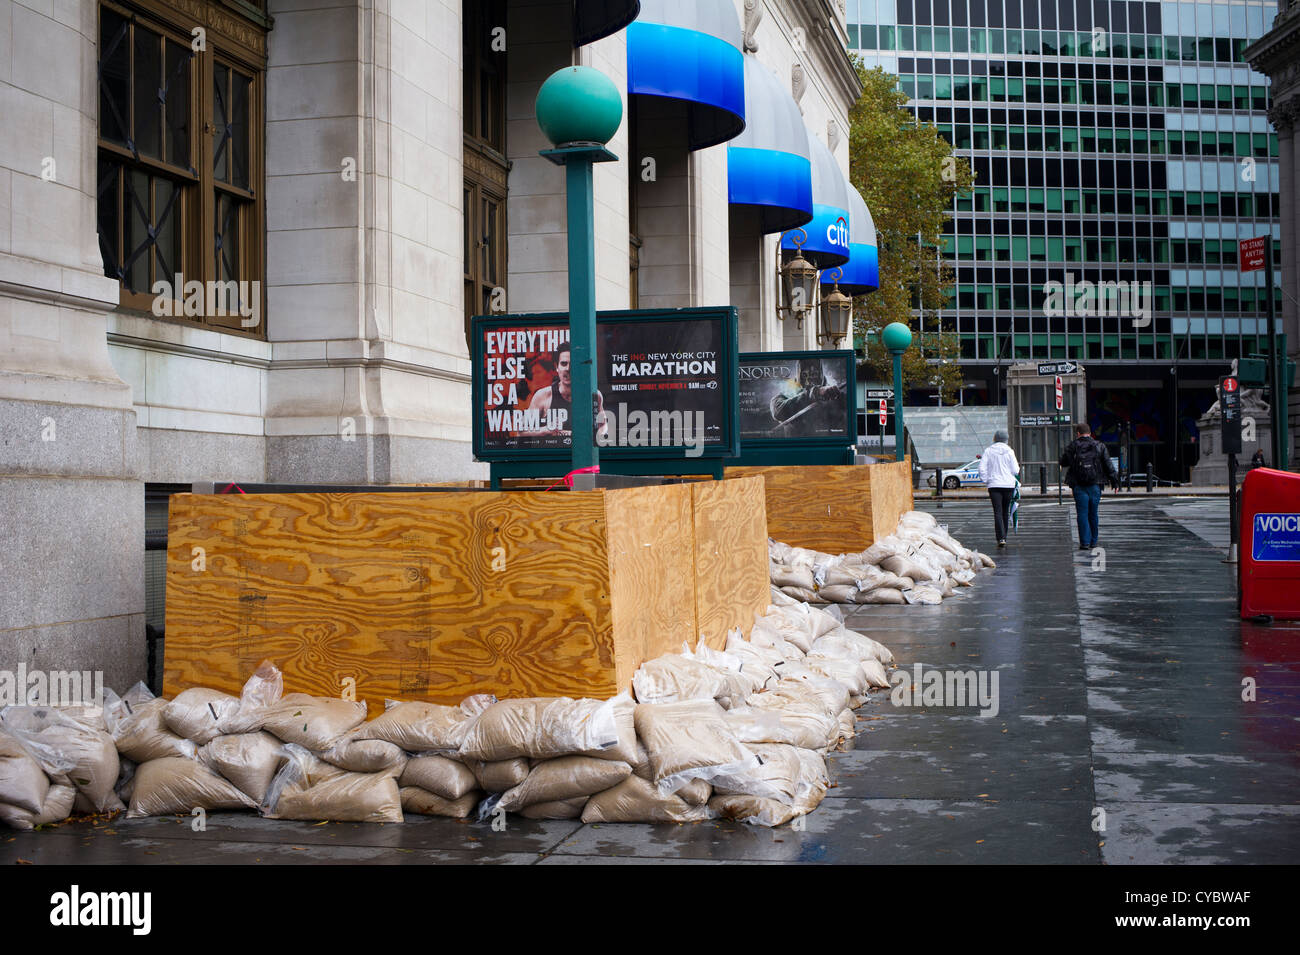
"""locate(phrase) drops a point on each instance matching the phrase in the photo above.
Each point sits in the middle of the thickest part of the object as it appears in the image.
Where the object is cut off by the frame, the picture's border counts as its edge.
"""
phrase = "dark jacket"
(1071, 455)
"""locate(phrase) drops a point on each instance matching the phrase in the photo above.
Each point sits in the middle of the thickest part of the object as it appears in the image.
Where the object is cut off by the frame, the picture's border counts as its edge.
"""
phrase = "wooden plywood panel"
(826, 508)
(397, 591)
(652, 583)
(891, 495)
(731, 571)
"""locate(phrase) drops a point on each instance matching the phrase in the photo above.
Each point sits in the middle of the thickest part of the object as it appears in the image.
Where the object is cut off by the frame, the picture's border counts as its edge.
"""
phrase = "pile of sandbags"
(919, 563)
(740, 733)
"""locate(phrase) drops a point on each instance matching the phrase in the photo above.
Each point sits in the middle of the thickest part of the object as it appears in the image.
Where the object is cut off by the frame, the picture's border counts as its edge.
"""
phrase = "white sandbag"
(135, 721)
(566, 777)
(674, 677)
(753, 809)
(66, 745)
(364, 755)
(839, 594)
(908, 567)
(179, 785)
(200, 714)
(248, 760)
(771, 634)
(418, 727)
(689, 740)
(440, 775)
(776, 776)
(848, 723)
(849, 643)
(499, 776)
(805, 684)
(798, 577)
(923, 594)
(314, 722)
(311, 789)
(421, 802)
(882, 595)
(635, 800)
(23, 784)
(800, 724)
(841, 670)
(561, 809)
(741, 680)
(57, 806)
(802, 595)
(541, 728)
(780, 598)
(875, 673)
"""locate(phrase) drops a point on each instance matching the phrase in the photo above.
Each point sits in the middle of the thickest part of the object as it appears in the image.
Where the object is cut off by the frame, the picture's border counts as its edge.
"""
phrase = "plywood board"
(415, 597)
(652, 574)
(832, 508)
(731, 570)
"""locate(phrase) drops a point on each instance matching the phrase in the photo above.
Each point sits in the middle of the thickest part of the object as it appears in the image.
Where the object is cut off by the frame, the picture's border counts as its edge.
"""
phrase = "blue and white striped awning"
(768, 166)
(690, 51)
(825, 240)
(861, 273)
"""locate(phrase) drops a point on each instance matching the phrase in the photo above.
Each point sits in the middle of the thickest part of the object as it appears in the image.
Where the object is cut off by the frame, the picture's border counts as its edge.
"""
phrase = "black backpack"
(1087, 463)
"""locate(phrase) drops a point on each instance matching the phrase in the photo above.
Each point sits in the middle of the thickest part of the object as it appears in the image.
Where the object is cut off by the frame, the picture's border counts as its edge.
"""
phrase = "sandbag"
(805, 725)
(753, 809)
(364, 755)
(841, 670)
(57, 806)
(839, 594)
(23, 784)
(136, 725)
(563, 809)
(419, 727)
(881, 595)
(314, 722)
(695, 793)
(802, 594)
(740, 681)
(248, 760)
(849, 643)
(310, 788)
(636, 800)
(798, 577)
(566, 777)
(424, 803)
(177, 784)
(447, 778)
(66, 745)
(541, 728)
(907, 567)
(674, 677)
(499, 776)
(776, 776)
(200, 714)
(875, 673)
(689, 740)
(923, 594)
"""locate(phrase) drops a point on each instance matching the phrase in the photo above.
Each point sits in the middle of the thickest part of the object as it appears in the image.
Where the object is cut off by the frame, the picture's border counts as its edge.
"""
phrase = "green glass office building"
(1113, 142)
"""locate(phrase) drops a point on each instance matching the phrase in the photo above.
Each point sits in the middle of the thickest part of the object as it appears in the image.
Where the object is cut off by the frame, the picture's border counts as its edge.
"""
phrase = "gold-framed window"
(180, 168)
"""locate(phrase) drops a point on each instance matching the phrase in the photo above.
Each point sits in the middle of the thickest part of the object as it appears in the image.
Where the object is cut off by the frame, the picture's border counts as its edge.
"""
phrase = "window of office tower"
(179, 182)
(1112, 142)
(486, 168)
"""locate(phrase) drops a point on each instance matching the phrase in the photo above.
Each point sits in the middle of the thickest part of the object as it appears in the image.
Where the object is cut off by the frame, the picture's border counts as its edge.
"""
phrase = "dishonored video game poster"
(784, 397)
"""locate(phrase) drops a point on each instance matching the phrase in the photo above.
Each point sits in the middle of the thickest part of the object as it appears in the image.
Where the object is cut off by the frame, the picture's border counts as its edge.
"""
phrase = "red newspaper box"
(1268, 568)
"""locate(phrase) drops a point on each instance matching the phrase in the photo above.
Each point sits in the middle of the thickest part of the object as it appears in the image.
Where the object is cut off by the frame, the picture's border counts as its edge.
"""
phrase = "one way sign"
(1051, 368)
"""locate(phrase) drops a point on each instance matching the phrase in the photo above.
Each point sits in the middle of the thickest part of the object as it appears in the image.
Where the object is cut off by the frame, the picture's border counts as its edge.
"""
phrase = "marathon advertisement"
(659, 385)
(794, 396)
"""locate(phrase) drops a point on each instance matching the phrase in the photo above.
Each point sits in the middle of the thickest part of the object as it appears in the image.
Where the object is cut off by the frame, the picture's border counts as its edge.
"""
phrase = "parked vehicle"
(968, 475)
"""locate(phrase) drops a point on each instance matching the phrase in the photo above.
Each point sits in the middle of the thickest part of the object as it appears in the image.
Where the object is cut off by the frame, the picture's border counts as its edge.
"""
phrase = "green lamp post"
(580, 109)
(897, 337)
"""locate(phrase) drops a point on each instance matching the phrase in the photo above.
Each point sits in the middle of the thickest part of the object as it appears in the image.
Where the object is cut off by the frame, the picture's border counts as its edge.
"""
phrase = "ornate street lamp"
(799, 279)
(836, 313)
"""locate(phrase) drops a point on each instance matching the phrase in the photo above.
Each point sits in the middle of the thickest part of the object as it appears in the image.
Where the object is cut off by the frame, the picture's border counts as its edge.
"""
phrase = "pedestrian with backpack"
(998, 470)
(1088, 467)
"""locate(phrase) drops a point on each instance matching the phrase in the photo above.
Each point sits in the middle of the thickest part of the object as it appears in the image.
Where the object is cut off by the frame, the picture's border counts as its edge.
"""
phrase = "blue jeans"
(1086, 500)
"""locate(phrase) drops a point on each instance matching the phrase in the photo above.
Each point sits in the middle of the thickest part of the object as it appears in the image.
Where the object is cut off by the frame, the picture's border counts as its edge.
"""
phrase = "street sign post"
(1253, 255)
(1230, 409)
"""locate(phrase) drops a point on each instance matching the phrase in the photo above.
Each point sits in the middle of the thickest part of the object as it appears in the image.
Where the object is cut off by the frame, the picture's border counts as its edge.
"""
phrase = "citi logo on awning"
(837, 233)
(77, 908)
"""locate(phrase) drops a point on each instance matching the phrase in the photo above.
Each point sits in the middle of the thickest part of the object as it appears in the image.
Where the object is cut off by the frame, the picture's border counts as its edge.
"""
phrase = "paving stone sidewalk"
(1119, 701)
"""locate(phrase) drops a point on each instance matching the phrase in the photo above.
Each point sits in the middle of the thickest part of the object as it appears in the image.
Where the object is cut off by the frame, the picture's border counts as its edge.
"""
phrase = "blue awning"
(593, 19)
(768, 167)
(689, 51)
(861, 273)
(827, 235)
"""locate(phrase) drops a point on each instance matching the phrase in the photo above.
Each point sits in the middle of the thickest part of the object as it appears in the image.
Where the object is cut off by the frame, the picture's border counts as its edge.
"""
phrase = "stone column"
(71, 500)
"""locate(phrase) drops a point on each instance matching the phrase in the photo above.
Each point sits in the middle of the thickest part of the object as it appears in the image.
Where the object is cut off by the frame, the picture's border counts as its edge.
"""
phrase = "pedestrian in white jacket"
(998, 470)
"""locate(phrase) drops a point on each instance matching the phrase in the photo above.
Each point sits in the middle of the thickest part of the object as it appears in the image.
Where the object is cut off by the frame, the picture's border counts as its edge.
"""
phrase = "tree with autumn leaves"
(908, 175)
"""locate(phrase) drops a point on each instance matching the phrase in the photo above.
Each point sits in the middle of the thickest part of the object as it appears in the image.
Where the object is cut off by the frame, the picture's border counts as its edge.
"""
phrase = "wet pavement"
(1121, 733)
